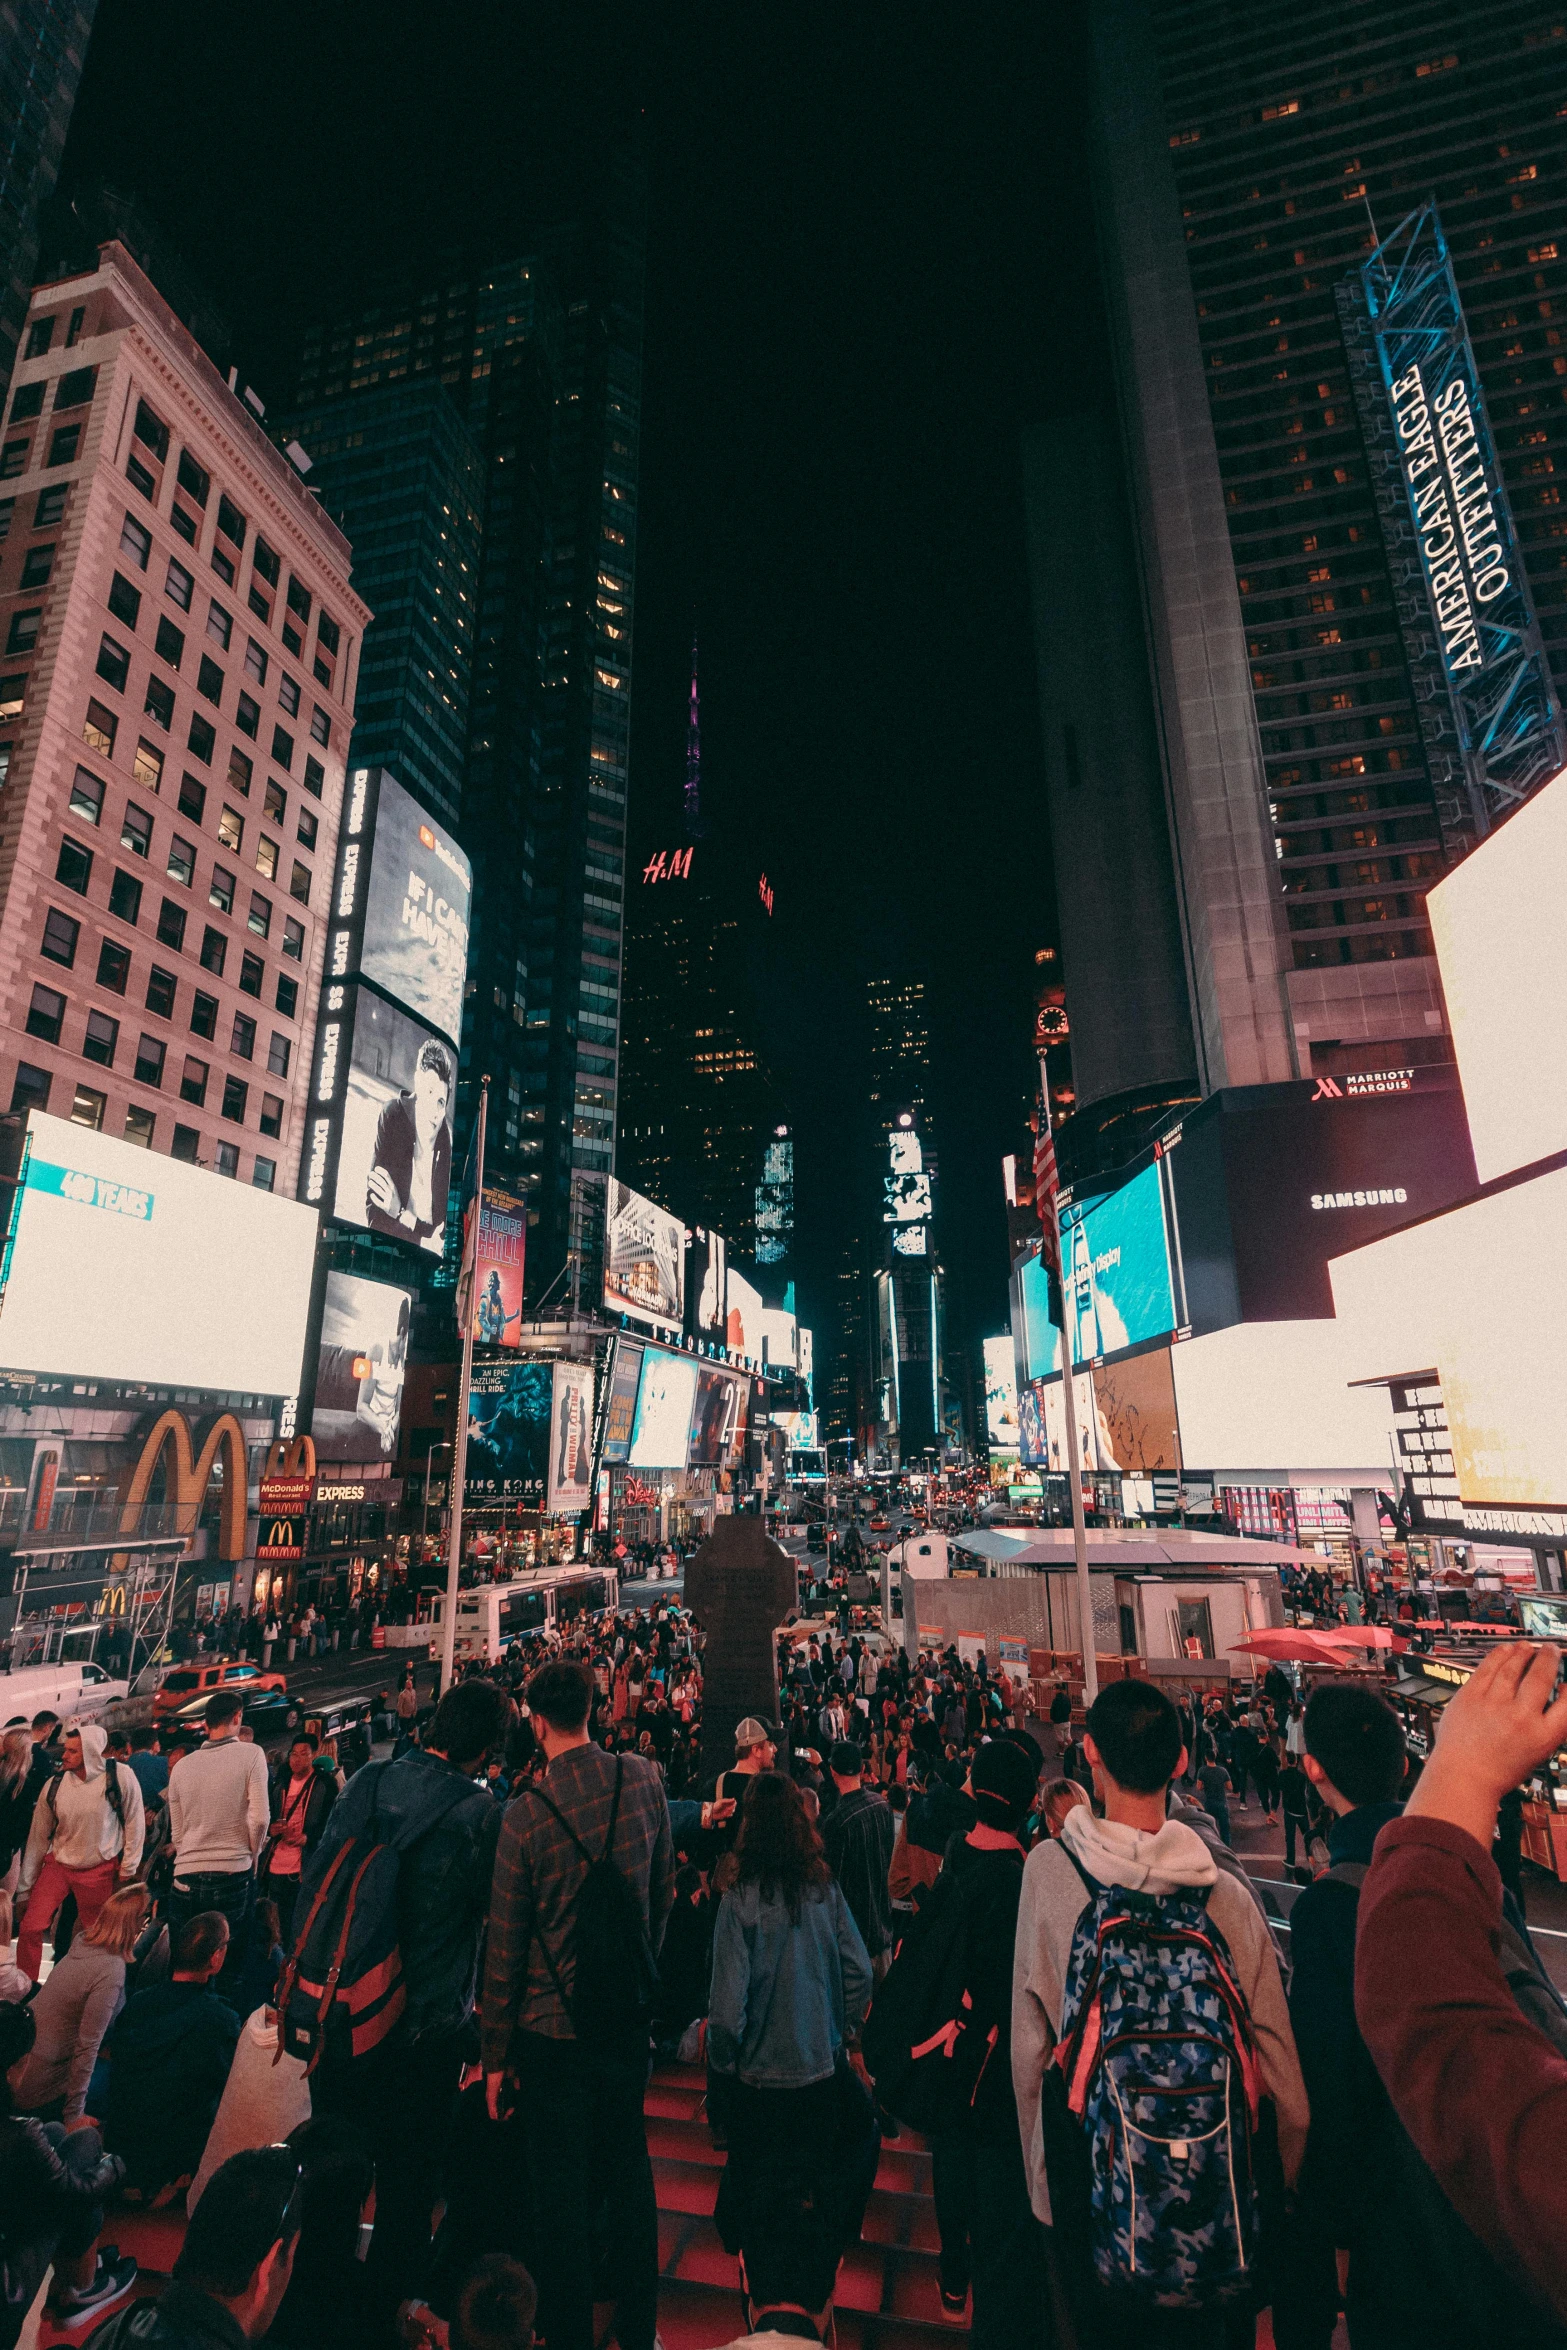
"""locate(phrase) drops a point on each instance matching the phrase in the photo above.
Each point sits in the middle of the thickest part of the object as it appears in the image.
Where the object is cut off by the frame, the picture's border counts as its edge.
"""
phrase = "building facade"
(45, 48)
(180, 651)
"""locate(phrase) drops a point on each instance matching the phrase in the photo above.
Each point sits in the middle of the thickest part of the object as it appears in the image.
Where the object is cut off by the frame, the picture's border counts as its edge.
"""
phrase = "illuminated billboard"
(1496, 923)
(661, 1431)
(394, 1085)
(707, 1282)
(743, 1316)
(123, 1264)
(775, 1201)
(570, 1484)
(1118, 1290)
(1040, 1335)
(510, 1422)
(906, 1184)
(644, 1260)
(360, 1369)
(1000, 1395)
(622, 1408)
(1277, 1396)
(498, 1268)
(715, 1417)
(401, 901)
(1134, 1414)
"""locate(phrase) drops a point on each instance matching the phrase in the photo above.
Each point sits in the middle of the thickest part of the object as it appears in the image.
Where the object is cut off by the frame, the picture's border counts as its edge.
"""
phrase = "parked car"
(77, 1693)
(267, 1709)
(184, 1684)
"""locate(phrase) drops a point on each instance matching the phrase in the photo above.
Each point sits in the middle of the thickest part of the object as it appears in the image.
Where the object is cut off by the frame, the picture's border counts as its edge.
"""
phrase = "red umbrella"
(1299, 1645)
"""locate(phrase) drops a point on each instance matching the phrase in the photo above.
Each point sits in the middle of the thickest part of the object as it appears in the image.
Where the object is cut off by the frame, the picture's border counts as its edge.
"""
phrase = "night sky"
(869, 269)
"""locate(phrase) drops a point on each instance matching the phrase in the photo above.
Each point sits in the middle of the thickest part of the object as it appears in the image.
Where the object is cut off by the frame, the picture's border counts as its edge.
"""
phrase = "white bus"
(492, 1615)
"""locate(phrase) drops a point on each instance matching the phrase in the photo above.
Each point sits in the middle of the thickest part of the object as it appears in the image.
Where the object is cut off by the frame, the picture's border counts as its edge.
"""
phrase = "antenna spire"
(695, 827)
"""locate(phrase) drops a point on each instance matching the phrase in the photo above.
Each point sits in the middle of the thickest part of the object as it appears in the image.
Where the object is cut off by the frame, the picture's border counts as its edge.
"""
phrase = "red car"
(184, 1683)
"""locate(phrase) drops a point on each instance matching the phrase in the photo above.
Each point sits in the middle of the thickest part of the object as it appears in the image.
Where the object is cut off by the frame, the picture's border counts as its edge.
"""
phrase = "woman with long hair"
(20, 1785)
(83, 1995)
(791, 1983)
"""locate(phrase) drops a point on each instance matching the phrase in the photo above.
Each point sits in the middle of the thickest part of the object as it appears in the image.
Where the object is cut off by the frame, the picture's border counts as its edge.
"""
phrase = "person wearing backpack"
(584, 1881)
(86, 1838)
(1150, 2038)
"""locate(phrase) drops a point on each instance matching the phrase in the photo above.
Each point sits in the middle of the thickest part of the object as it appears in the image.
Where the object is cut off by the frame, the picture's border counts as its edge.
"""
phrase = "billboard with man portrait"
(394, 1158)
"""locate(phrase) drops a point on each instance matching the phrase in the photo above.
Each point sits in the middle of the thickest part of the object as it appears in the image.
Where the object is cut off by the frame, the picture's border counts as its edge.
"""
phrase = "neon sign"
(764, 890)
(669, 865)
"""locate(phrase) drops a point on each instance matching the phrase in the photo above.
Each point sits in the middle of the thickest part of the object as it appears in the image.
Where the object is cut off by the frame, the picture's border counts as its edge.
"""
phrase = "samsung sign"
(1388, 1196)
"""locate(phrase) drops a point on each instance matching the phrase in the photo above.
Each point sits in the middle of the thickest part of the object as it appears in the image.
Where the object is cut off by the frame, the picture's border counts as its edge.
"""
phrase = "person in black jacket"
(169, 2057)
(982, 2206)
(52, 2185)
(234, 2266)
(304, 1790)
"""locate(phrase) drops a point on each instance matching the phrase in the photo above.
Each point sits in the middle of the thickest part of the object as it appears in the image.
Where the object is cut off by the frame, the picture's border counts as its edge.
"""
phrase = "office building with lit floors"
(180, 644)
(1303, 747)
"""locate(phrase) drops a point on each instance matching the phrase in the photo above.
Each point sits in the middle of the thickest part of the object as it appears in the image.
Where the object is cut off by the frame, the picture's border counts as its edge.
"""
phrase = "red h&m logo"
(764, 890)
(669, 865)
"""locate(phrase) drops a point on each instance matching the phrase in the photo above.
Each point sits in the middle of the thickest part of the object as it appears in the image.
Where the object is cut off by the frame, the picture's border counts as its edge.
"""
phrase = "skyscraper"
(44, 50)
(1245, 166)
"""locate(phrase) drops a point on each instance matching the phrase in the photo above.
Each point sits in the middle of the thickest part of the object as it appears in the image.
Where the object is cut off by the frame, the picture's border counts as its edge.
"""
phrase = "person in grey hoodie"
(1134, 1745)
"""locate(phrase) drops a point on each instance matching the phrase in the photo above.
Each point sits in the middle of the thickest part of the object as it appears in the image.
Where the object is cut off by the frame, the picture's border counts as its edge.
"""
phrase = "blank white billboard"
(129, 1265)
(1496, 921)
(1276, 1395)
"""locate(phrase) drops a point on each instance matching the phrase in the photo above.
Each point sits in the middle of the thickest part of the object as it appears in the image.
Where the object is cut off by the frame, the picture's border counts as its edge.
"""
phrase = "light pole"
(424, 1510)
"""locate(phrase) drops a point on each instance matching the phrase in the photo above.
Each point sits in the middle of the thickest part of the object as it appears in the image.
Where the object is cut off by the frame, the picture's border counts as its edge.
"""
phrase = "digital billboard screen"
(714, 1418)
(360, 1369)
(661, 1431)
(1041, 1336)
(743, 1316)
(1000, 1395)
(622, 1409)
(126, 1264)
(644, 1260)
(1118, 1291)
(510, 1419)
(571, 1439)
(402, 901)
(498, 1268)
(1134, 1410)
(707, 1271)
(382, 1102)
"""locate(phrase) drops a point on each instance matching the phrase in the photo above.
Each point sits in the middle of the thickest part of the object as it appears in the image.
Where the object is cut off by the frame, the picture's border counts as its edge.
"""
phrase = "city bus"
(492, 1615)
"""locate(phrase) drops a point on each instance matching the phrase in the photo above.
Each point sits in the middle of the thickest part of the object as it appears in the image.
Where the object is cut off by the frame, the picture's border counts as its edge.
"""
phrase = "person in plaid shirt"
(578, 2107)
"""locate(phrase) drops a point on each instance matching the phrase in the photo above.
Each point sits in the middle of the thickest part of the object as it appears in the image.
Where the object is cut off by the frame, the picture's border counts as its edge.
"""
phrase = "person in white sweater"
(86, 1838)
(73, 2011)
(219, 1812)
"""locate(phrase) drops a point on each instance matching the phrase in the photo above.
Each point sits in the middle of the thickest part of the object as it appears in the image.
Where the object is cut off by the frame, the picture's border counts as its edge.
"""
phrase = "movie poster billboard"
(644, 1261)
(401, 903)
(571, 1439)
(394, 1157)
(622, 1409)
(1001, 1400)
(360, 1369)
(714, 1417)
(707, 1285)
(510, 1419)
(661, 1432)
(498, 1270)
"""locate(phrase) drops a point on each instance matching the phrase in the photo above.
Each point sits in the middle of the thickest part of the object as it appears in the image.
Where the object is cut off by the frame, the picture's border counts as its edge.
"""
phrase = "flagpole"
(465, 1307)
(1085, 1589)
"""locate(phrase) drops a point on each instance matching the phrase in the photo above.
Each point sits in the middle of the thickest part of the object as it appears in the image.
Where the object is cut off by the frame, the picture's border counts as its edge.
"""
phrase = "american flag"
(1046, 1185)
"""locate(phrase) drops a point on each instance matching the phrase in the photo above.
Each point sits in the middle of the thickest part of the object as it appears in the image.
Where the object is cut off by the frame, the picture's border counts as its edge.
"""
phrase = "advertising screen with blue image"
(1041, 1338)
(1118, 1287)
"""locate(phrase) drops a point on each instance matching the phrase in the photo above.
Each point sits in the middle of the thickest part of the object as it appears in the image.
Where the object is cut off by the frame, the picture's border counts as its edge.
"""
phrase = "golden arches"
(291, 1456)
(192, 1473)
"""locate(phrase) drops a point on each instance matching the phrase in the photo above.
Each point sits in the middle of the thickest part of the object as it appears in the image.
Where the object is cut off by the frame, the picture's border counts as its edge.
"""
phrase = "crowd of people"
(386, 2035)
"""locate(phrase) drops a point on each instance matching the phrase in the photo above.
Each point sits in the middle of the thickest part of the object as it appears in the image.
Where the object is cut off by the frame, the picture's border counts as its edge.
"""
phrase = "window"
(230, 521)
(255, 599)
(288, 997)
(220, 625)
(247, 716)
(99, 728)
(235, 1095)
(202, 739)
(45, 1014)
(5, 762)
(193, 1084)
(159, 704)
(171, 924)
(114, 664)
(149, 1060)
(28, 403)
(13, 459)
(299, 599)
(282, 748)
(139, 478)
(209, 679)
(193, 479)
(148, 430)
(169, 643)
(252, 971)
(73, 331)
(278, 1053)
(179, 587)
(294, 940)
(255, 661)
(101, 1040)
(30, 1091)
(86, 796)
(39, 563)
(320, 725)
(39, 336)
(314, 777)
(7, 510)
(267, 563)
(266, 857)
(135, 540)
(203, 1014)
(299, 883)
(225, 1156)
(264, 1174)
(259, 918)
(231, 829)
(125, 897)
(220, 890)
(24, 632)
(240, 771)
(193, 798)
(160, 992)
(60, 936)
(276, 802)
(139, 1124)
(293, 642)
(288, 695)
(322, 673)
(223, 567)
(182, 860)
(74, 866)
(88, 1107)
(136, 831)
(244, 1041)
(184, 522)
(62, 451)
(214, 950)
(186, 1144)
(114, 966)
(327, 631)
(50, 508)
(124, 600)
(308, 828)
(75, 389)
(271, 1114)
(147, 767)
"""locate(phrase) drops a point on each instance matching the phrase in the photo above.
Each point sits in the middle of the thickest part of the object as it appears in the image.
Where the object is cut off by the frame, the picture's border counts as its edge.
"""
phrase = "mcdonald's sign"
(280, 1537)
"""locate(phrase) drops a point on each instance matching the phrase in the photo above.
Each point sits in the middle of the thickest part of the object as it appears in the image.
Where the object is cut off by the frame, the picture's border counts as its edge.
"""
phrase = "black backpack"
(925, 2047)
(614, 1977)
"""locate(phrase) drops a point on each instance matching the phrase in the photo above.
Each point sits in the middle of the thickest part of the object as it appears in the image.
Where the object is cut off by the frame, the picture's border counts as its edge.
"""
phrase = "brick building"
(178, 651)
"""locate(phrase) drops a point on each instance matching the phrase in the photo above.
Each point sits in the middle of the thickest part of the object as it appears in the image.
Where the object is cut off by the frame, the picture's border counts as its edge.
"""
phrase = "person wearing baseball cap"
(756, 1751)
